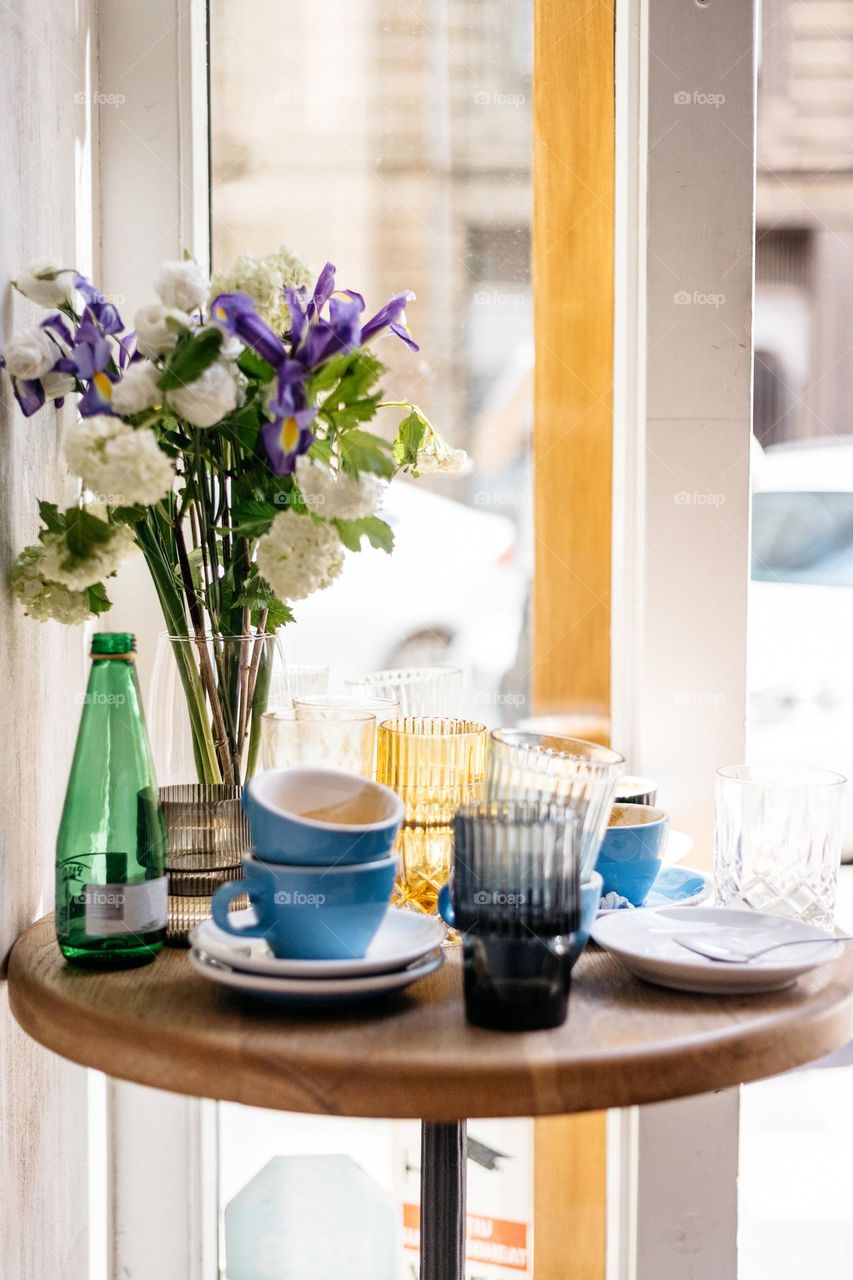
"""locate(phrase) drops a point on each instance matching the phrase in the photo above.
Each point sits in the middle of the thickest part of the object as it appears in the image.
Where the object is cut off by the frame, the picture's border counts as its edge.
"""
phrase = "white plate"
(642, 941)
(678, 845)
(314, 991)
(674, 887)
(403, 936)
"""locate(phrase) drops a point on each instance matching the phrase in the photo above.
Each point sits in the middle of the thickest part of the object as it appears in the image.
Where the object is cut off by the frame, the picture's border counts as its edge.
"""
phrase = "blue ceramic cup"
(632, 851)
(311, 913)
(320, 817)
(590, 898)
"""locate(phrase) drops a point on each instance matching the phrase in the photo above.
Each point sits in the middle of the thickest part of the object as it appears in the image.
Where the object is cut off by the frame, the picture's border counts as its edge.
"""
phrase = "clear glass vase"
(207, 699)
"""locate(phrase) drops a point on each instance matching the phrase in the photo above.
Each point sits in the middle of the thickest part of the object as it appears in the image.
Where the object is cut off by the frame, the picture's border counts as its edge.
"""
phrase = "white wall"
(45, 178)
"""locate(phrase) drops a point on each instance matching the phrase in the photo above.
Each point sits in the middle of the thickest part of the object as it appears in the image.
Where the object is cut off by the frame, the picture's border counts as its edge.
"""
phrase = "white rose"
(299, 555)
(57, 385)
(207, 400)
(31, 354)
(119, 463)
(158, 329)
(182, 284)
(47, 293)
(137, 389)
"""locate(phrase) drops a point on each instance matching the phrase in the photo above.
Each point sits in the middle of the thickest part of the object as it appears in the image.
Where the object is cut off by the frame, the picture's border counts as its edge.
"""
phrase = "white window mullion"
(685, 230)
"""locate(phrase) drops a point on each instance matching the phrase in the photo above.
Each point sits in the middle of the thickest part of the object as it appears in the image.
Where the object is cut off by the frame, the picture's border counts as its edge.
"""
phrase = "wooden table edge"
(635, 1076)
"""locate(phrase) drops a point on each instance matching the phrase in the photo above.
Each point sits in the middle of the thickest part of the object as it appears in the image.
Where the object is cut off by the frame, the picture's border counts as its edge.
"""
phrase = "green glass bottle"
(111, 849)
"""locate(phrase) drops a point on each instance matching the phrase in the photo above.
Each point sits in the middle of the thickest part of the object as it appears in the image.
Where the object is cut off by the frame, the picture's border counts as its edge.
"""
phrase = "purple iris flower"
(341, 332)
(101, 310)
(90, 360)
(286, 438)
(236, 313)
(29, 394)
(390, 317)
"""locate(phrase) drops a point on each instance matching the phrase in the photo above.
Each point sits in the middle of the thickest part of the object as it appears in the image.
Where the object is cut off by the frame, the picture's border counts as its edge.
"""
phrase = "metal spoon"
(714, 952)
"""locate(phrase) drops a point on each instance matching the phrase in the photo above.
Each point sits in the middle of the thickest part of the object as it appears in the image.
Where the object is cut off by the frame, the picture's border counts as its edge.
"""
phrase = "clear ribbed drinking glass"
(435, 764)
(332, 704)
(207, 835)
(526, 765)
(305, 681)
(777, 840)
(345, 741)
(420, 691)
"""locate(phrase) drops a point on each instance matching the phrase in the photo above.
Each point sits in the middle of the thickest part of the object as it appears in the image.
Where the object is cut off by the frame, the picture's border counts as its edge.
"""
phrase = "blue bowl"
(320, 817)
(311, 913)
(632, 851)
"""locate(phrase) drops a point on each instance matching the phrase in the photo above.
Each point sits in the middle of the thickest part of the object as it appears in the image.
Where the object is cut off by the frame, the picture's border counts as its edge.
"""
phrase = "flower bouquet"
(226, 437)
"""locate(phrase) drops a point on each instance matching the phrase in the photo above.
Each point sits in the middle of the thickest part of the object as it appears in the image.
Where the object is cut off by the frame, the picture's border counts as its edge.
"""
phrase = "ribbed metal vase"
(207, 835)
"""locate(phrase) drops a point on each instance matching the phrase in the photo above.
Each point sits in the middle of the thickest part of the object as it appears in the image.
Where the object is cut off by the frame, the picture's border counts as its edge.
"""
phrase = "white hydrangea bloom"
(299, 556)
(265, 280)
(103, 560)
(47, 293)
(182, 284)
(338, 496)
(31, 354)
(209, 399)
(41, 598)
(436, 455)
(158, 329)
(120, 464)
(137, 390)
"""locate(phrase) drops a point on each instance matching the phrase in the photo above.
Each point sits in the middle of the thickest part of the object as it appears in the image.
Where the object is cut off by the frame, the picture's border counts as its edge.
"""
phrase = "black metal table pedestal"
(443, 1160)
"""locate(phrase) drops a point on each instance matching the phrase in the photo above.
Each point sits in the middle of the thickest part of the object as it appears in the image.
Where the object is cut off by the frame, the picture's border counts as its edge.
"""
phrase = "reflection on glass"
(395, 141)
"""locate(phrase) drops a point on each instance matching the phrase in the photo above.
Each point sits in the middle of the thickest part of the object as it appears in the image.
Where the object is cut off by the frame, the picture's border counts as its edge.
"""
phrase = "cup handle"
(445, 906)
(221, 902)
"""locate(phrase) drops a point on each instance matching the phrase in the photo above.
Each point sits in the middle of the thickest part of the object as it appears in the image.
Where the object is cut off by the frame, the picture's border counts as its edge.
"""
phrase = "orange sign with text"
(493, 1240)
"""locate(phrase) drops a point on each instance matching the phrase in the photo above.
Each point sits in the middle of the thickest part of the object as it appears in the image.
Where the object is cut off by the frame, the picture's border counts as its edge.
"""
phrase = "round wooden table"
(414, 1055)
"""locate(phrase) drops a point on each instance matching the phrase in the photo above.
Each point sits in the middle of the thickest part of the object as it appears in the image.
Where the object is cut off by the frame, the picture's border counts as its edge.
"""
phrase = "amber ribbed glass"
(435, 764)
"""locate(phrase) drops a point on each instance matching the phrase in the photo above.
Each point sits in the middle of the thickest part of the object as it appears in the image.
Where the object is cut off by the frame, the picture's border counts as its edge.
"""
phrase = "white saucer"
(641, 940)
(674, 887)
(314, 991)
(403, 936)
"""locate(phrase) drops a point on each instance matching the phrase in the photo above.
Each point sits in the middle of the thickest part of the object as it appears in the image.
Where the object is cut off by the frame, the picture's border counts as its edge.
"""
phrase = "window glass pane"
(393, 139)
(795, 1139)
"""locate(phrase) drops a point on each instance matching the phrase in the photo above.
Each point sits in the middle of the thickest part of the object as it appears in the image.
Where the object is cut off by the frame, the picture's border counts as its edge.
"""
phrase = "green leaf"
(99, 601)
(52, 517)
(191, 358)
(363, 451)
(83, 532)
(255, 366)
(257, 595)
(130, 515)
(378, 533)
(252, 518)
(350, 415)
(410, 436)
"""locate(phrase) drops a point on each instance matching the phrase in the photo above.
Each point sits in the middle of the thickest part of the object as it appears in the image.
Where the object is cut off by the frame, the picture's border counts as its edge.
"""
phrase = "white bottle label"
(125, 908)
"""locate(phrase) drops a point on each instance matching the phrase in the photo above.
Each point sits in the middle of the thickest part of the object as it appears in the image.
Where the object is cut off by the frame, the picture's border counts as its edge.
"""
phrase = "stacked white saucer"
(406, 947)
